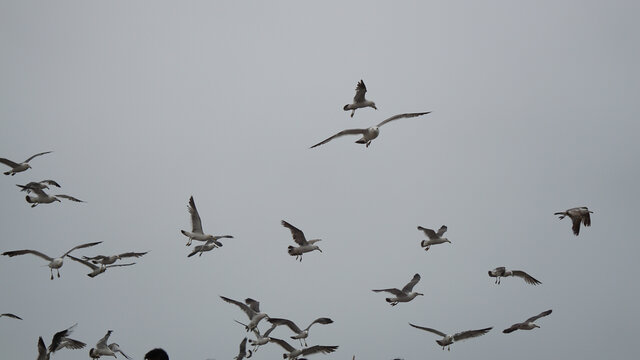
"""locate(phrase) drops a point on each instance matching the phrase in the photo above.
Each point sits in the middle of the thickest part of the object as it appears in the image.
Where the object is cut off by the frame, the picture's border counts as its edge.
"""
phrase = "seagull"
(527, 324)
(503, 272)
(243, 350)
(300, 334)
(96, 270)
(447, 340)
(44, 198)
(434, 237)
(260, 339)
(107, 260)
(196, 227)
(370, 133)
(40, 185)
(404, 295)
(102, 349)
(16, 168)
(359, 101)
(294, 353)
(298, 237)
(156, 354)
(577, 215)
(11, 316)
(209, 245)
(59, 341)
(53, 263)
(252, 309)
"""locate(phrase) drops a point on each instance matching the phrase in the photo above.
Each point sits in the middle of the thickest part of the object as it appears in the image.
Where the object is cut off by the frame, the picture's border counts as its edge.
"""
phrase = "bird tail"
(9, 172)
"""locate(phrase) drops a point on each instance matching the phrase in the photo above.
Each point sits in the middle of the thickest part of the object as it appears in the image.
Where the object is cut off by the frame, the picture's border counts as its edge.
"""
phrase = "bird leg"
(352, 112)
(498, 280)
(51, 273)
(368, 143)
(189, 242)
(58, 271)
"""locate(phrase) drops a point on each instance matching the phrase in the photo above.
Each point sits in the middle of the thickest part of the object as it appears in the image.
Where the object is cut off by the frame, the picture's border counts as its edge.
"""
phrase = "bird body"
(305, 245)
(503, 272)
(358, 100)
(527, 324)
(405, 295)
(577, 215)
(447, 339)
(435, 238)
(19, 167)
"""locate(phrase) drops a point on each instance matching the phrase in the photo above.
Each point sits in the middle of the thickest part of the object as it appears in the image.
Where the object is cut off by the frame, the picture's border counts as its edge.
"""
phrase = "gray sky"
(534, 111)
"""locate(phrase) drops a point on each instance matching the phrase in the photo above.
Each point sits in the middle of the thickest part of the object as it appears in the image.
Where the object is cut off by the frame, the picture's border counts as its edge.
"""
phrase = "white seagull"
(54, 263)
(261, 339)
(405, 295)
(370, 133)
(251, 308)
(503, 272)
(527, 324)
(110, 259)
(59, 341)
(40, 185)
(578, 215)
(102, 349)
(44, 198)
(435, 238)
(298, 236)
(16, 168)
(196, 232)
(358, 100)
(11, 316)
(301, 334)
(209, 245)
(243, 350)
(96, 269)
(447, 340)
(294, 353)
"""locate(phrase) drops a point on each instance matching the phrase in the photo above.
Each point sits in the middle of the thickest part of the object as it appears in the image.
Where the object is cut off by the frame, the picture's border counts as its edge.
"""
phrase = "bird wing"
(71, 344)
(8, 162)
(341, 133)
(442, 230)
(322, 320)
(429, 330)
(361, 89)
(59, 336)
(132, 254)
(196, 223)
(102, 343)
(22, 252)
(266, 333)
(38, 191)
(11, 316)
(394, 291)
(542, 314)
(68, 197)
(298, 235)
(96, 258)
(31, 158)
(285, 345)
(50, 182)
(253, 304)
(318, 349)
(429, 232)
(527, 278)
(400, 116)
(576, 224)
(586, 219)
(409, 287)
(242, 306)
(470, 334)
(42, 348)
(513, 328)
(116, 348)
(114, 265)
(243, 346)
(289, 323)
(82, 247)
(90, 265)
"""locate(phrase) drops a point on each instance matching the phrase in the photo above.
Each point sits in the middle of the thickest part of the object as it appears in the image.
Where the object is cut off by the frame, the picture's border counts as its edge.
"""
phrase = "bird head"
(92, 353)
(373, 105)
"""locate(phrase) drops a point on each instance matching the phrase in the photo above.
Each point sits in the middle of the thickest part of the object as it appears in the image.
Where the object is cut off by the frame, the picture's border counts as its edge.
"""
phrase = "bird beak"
(375, 107)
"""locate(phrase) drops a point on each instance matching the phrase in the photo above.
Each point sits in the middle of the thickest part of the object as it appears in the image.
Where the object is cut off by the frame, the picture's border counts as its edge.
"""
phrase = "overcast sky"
(534, 110)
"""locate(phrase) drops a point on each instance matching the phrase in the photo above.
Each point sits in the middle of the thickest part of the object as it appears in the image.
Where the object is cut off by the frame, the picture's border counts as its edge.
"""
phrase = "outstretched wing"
(42, 153)
(394, 291)
(196, 223)
(429, 232)
(71, 344)
(470, 334)
(511, 329)
(319, 349)
(242, 306)
(8, 162)
(401, 116)
(22, 252)
(442, 230)
(322, 320)
(11, 316)
(298, 235)
(84, 262)
(542, 314)
(409, 287)
(103, 342)
(576, 224)
(68, 197)
(429, 330)
(341, 133)
(58, 337)
(285, 322)
(527, 278)
(285, 345)
(361, 89)
(253, 304)
(82, 247)
(132, 254)
(114, 265)
(50, 182)
(42, 348)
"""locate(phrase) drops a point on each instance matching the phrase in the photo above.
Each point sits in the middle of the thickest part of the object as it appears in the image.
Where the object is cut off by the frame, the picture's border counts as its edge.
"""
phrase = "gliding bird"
(435, 238)
(527, 324)
(300, 334)
(16, 168)
(503, 272)
(298, 237)
(358, 100)
(404, 295)
(577, 215)
(447, 340)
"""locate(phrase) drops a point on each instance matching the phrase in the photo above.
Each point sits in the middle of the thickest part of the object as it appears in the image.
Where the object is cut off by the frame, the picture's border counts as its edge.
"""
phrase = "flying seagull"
(39, 185)
(370, 133)
(300, 334)
(358, 100)
(59, 341)
(209, 245)
(404, 295)
(251, 308)
(11, 316)
(243, 350)
(261, 339)
(503, 272)
(96, 269)
(110, 259)
(16, 168)
(196, 227)
(577, 215)
(434, 237)
(527, 324)
(102, 349)
(54, 263)
(44, 198)
(293, 353)
(298, 237)
(447, 340)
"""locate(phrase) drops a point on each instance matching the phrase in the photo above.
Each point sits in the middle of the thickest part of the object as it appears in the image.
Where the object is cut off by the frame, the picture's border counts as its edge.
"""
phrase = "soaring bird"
(405, 295)
(434, 237)
(196, 232)
(39, 185)
(16, 168)
(44, 198)
(503, 272)
(371, 133)
(59, 341)
(578, 215)
(251, 308)
(96, 269)
(358, 100)
(447, 340)
(243, 350)
(293, 353)
(156, 354)
(298, 236)
(54, 263)
(300, 334)
(110, 259)
(11, 316)
(527, 324)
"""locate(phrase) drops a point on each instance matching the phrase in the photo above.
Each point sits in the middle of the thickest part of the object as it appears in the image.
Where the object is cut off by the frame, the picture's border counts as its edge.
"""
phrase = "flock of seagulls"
(98, 264)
